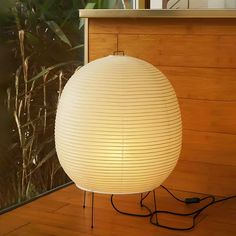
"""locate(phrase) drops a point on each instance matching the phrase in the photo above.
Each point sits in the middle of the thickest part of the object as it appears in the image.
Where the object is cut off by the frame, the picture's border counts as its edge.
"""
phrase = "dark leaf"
(57, 30)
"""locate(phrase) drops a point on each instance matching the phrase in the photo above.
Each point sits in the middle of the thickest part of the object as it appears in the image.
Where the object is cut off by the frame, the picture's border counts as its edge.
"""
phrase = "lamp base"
(141, 204)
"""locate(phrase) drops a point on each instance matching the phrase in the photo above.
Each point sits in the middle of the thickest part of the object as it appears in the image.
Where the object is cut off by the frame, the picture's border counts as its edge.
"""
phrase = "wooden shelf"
(117, 13)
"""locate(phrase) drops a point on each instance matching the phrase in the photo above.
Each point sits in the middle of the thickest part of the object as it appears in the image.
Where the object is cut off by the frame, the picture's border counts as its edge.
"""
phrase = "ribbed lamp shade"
(118, 126)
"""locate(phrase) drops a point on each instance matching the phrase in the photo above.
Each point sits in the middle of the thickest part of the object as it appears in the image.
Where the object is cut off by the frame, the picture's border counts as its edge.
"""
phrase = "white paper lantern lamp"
(118, 126)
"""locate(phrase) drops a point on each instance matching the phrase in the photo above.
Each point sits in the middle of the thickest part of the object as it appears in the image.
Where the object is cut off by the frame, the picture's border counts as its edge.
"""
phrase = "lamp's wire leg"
(92, 208)
(141, 200)
(155, 204)
(84, 204)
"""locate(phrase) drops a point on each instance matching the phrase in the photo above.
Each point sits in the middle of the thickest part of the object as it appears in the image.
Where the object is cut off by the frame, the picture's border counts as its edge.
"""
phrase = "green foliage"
(41, 46)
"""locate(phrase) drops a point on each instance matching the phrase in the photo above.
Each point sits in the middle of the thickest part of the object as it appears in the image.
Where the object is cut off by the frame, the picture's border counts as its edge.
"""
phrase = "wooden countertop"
(121, 13)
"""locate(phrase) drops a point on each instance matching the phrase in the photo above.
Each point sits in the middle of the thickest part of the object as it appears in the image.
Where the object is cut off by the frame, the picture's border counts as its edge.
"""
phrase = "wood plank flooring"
(61, 213)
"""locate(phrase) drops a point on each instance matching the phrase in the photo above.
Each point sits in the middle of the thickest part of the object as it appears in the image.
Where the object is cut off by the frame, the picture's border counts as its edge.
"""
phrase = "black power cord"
(194, 213)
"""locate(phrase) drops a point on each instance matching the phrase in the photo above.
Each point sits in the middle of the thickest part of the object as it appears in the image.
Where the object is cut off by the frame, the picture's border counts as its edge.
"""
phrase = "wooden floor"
(61, 213)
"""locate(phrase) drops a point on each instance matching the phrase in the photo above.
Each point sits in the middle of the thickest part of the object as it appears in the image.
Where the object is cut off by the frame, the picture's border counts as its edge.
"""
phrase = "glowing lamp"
(118, 126)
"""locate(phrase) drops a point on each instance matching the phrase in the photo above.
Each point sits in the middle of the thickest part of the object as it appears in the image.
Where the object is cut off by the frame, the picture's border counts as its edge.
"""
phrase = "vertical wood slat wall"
(199, 58)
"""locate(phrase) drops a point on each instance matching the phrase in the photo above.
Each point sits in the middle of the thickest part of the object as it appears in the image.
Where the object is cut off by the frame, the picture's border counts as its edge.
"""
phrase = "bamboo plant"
(42, 44)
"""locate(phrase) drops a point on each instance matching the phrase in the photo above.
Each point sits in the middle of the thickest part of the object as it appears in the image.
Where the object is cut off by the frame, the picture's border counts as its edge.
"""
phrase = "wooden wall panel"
(211, 116)
(208, 147)
(199, 58)
(203, 178)
(163, 26)
(182, 50)
(101, 45)
(202, 83)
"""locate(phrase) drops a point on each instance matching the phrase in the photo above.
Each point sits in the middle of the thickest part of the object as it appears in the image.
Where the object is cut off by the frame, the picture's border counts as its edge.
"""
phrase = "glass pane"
(41, 44)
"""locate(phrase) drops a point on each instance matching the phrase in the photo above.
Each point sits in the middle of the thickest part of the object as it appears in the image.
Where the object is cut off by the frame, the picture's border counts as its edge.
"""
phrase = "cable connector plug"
(192, 200)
